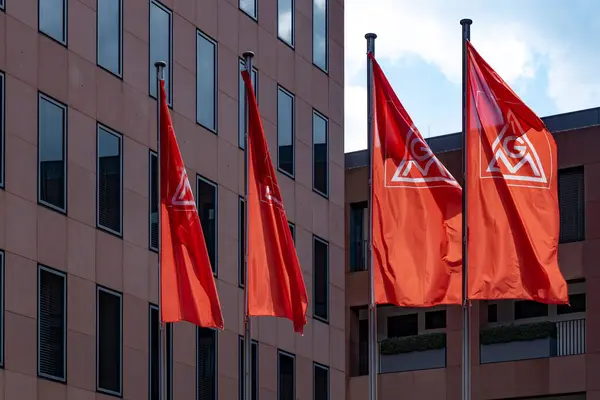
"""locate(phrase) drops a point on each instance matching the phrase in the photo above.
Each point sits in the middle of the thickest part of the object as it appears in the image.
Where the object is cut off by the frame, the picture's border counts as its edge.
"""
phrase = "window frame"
(320, 366)
(326, 69)
(324, 320)
(317, 114)
(42, 267)
(153, 154)
(292, 175)
(3, 125)
(199, 36)
(65, 136)
(293, 357)
(255, 374)
(253, 17)
(241, 243)
(65, 26)
(292, 227)
(581, 236)
(216, 336)
(118, 74)
(106, 129)
(169, 62)
(291, 45)
(100, 288)
(244, 102)
(215, 185)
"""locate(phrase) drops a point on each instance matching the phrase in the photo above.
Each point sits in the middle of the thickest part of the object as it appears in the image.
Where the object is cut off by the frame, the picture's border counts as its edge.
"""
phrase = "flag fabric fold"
(416, 211)
(512, 194)
(188, 290)
(275, 282)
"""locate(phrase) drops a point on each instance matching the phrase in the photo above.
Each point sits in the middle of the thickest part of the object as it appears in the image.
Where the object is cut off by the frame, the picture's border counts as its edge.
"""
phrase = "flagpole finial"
(248, 54)
(160, 67)
(466, 21)
(371, 35)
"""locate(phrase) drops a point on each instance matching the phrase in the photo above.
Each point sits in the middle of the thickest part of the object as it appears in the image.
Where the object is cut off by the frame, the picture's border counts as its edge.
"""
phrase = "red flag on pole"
(275, 282)
(188, 291)
(513, 197)
(416, 210)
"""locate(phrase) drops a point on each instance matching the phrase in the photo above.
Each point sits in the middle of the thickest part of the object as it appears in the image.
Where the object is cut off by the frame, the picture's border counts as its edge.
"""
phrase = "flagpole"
(372, 306)
(466, 330)
(248, 55)
(162, 337)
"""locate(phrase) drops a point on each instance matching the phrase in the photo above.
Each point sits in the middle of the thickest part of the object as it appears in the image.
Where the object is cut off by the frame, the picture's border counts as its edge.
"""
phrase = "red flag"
(188, 291)
(513, 198)
(275, 283)
(417, 211)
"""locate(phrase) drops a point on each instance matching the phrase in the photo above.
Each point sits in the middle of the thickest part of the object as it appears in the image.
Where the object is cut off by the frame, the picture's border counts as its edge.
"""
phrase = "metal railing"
(570, 337)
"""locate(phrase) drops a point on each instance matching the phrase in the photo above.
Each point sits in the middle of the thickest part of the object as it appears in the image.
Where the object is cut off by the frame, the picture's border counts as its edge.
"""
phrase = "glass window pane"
(285, 21)
(2, 129)
(160, 45)
(242, 123)
(109, 35)
(207, 211)
(285, 131)
(320, 44)
(320, 154)
(249, 7)
(109, 180)
(52, 173)
(321, 279)
(52, 16)
(321, 382)
(286, 387)
(206, 368)
(206, 104)
(109, 333)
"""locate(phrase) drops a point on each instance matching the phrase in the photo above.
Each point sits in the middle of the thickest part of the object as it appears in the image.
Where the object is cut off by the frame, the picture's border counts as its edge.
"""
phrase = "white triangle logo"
(183, 195)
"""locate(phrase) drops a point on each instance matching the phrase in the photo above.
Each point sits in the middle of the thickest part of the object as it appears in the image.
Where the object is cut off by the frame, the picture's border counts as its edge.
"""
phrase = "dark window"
(578, 305)
(52, 19)
(2, 308)
(161, 37)
(285, 131)
(206, 81)
(109, 350)
(292, 231)
(286, 384)
(206, 364)
(241, 242)
(1, 4)
(52, 168)
(154, 351)
(154, 201)
(321, 279)
(207, 211)
(321, 382)
(242, 102)
(2, 126)
(530, 309)
(169, 372)
(572, 204)
(110, 35)
(358, 242)
(320, 42)
(320, 152)
(52, 333)
(363, 347)
(285, 21)
(492, 311)
(403, 325)
(109, 180)
(242, 368)
(249, 7)
(435, 319)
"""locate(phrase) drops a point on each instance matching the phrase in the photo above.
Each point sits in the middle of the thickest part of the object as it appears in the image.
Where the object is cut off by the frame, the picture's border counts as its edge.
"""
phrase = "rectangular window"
(249, 7)
(109, 342)
(242, 123)
(292, 231)
(206, 364)
(161, 38)
(242, 241)
(321, 382)
(153, 199)
(52, 19)
(169, 355)
(320, 154)
(571, 201)
(206, 81)
(1, 4)
(52, 324)
(358, 246)
(109, 180)
(2, 308)
(285, 21)
(285, 131)
(2, 129)
(286, 371)
(153, 353)
(363, 347)
(320, 40)
(109, 35)
(530, 309)
(207, 211)
(321, 279)
(52, 168)
(435, 319)
(242, 369)
(403, 325)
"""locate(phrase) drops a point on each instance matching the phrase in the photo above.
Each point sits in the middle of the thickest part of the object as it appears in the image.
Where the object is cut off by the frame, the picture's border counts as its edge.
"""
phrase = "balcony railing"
(412, 353)
(359, 253)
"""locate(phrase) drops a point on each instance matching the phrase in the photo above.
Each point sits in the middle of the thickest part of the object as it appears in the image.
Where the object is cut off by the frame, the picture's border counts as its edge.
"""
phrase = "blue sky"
(547, 50)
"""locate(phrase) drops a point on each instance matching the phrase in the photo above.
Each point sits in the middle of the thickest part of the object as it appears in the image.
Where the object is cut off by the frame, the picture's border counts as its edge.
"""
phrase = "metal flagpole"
(162, 334)
(372, 306)
(247, 327)
(466, 331)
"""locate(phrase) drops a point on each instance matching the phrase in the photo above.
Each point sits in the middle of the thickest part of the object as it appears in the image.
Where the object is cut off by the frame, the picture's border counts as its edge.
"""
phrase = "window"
(363, 347)
(321, 382)
(109, 181)
(242, 369)
(207, 211)
(242, 123)
(52, 17)
(249, 7)
(320, 154)
(1, 4)
(320, 42)
(492, 312)
(577, 305)
(153, 199)
(285, 131)
(206, 81)
(286, 382)
(321, 279)
(52, 168)
(169, 356)
(206, 364)
(109, 342)
(2, 308)
(52, 324)
(154, 351)
(435, 319)
(572, 204)
(292, 231)
(285, 21)
(403, 325)
(161, 37)
(110, 35)
(359, 232)
(242, 242)
(2, 126)
(530, 309)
